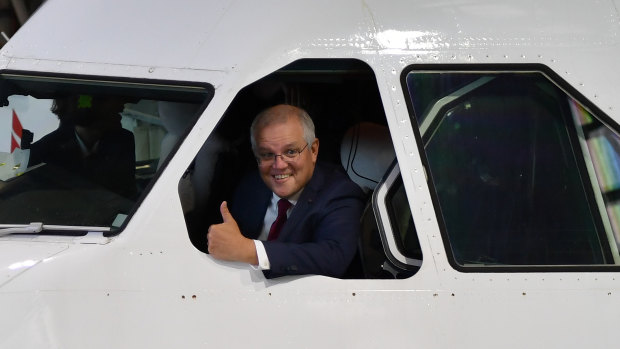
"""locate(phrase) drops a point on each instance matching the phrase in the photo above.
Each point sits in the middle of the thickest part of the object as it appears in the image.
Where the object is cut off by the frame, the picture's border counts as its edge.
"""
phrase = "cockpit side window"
(77, 154)
(520, 170)
(343, 99)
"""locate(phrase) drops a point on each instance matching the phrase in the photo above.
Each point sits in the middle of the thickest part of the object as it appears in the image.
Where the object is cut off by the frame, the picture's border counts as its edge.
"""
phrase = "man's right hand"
(227, 243)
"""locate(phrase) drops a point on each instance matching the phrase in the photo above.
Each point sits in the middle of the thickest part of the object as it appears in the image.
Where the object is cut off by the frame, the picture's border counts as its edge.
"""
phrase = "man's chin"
(283, 191)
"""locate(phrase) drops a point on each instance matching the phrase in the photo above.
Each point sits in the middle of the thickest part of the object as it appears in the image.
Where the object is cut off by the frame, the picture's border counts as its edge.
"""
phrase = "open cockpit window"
(76, 154)
(342, 97)
(523, 174)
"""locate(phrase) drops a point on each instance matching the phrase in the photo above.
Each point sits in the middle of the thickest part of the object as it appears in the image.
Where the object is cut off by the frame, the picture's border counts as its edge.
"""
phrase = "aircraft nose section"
(18, 257)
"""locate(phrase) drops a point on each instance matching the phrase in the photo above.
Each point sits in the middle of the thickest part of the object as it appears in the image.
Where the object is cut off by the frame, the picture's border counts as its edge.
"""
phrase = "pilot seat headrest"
(366, 152)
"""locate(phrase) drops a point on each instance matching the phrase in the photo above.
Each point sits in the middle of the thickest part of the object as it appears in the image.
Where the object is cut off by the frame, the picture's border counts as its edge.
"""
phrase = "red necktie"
(274, 232)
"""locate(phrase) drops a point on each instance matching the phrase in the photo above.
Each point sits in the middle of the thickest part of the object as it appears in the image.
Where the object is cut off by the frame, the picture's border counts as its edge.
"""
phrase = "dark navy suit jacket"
(321, 233)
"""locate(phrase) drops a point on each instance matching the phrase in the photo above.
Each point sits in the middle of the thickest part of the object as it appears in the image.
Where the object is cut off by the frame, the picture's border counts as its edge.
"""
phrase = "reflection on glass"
(81, 153)
(604, 149)
(508, 171)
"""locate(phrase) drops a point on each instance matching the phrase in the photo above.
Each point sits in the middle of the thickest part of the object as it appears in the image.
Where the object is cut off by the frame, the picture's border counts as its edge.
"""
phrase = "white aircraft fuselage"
(147, 283)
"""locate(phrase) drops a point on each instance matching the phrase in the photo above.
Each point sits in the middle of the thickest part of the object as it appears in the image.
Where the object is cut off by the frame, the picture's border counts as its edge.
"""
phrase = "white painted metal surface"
(149, 286)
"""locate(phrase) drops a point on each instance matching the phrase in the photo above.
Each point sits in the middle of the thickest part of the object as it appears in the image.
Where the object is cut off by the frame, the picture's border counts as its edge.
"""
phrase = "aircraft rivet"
(353, 294)
(524, 294)
(151, 69)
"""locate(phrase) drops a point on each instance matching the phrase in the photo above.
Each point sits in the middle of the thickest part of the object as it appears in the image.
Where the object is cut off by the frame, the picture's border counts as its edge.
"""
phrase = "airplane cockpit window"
(77, 154)
(343, 100)
(523, 174)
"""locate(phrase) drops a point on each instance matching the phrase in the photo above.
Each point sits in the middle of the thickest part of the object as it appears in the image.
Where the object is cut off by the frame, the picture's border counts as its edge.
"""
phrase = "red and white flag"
(16, 134)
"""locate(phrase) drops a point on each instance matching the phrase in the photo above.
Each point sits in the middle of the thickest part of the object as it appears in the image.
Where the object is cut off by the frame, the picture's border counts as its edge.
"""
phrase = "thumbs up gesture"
(226, 241)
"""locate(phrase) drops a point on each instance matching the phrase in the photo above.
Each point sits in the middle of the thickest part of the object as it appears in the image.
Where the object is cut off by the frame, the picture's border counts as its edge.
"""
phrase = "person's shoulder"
(250, 192)
(251, 178)
(54, 139)
(333, 176)
(331, 171)
(122, 133)
(251, 185)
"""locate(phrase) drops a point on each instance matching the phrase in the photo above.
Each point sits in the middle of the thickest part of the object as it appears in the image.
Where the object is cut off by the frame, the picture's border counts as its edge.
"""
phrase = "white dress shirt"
(270, 217)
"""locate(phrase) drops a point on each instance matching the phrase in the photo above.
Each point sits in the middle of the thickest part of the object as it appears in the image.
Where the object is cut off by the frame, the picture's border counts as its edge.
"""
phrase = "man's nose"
(278, 162)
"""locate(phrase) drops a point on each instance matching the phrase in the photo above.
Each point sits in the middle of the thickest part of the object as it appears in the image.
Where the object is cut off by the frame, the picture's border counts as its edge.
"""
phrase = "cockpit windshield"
(82, 152)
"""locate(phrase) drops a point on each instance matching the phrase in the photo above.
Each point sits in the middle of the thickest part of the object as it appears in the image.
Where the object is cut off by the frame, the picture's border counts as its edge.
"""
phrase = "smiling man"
(293, 216)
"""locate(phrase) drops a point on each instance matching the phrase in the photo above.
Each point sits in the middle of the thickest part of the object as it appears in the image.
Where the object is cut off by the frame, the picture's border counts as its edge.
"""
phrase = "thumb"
(226, 216)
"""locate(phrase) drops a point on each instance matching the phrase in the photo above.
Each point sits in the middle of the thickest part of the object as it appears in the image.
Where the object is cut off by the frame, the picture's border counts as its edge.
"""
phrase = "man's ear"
(314, 149)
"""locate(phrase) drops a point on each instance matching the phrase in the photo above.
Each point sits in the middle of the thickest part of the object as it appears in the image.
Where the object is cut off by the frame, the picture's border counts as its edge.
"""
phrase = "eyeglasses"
(287, 156)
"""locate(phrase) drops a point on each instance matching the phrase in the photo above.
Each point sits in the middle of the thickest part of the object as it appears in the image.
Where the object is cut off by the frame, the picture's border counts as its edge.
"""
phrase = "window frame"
(384, 217)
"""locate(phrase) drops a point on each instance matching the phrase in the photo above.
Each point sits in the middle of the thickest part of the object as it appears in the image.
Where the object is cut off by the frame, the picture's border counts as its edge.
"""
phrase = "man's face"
(285, 176)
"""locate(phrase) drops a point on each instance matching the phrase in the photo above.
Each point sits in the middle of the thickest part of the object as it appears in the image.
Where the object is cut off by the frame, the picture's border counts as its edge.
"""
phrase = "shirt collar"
(293, 199)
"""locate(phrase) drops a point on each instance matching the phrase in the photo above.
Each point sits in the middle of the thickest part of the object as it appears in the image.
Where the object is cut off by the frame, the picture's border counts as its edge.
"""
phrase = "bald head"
(280, 114)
